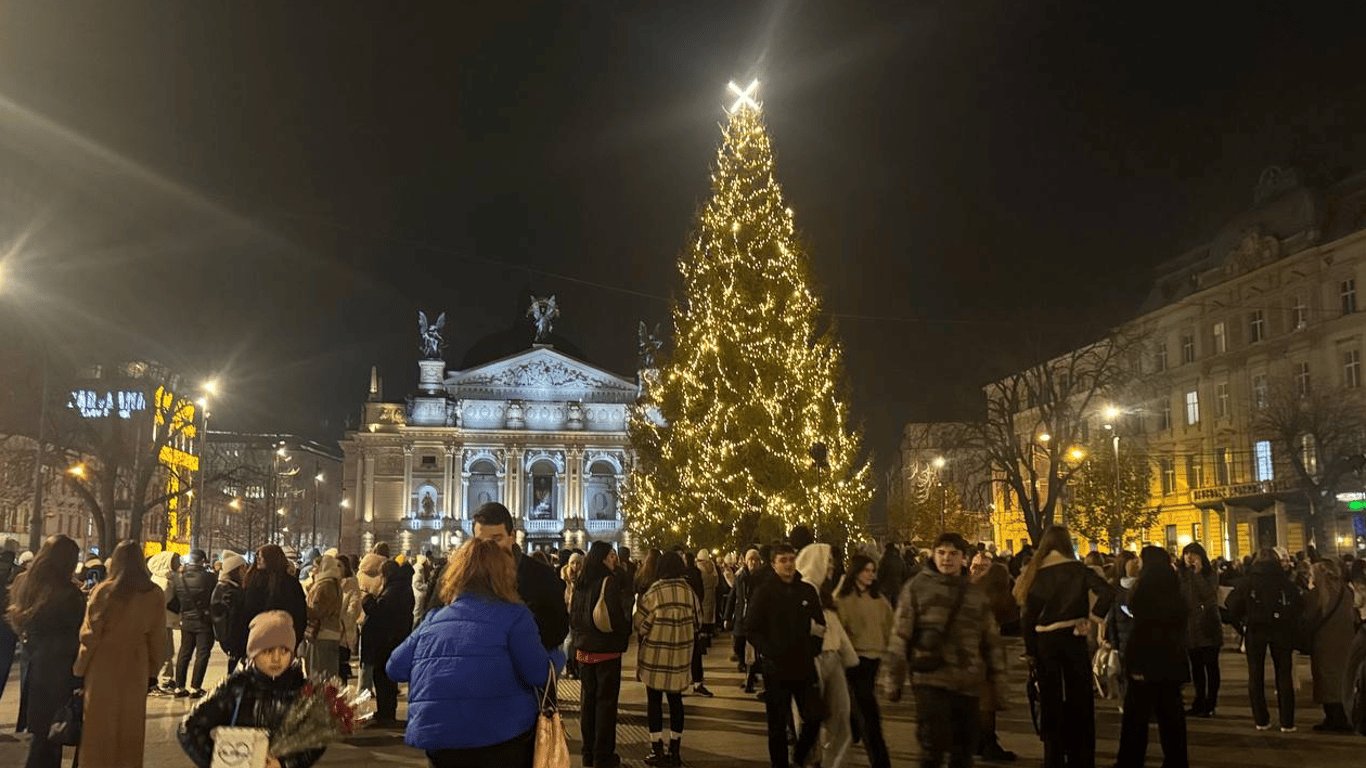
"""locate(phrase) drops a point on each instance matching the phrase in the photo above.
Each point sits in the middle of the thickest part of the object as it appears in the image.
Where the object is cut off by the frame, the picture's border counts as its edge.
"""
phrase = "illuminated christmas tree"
(743, 431)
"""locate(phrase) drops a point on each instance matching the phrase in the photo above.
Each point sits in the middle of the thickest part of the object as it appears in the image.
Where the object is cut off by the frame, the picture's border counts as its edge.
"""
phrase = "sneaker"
(182, 693)
(1291, 729)
(701, 690)
(1266, 727)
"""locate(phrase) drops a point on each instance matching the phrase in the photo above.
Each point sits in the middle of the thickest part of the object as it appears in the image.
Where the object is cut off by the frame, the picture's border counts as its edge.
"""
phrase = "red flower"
(308, 690)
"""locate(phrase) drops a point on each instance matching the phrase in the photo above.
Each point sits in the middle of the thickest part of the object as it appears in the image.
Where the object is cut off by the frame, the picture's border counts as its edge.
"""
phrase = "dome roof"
(512, 341)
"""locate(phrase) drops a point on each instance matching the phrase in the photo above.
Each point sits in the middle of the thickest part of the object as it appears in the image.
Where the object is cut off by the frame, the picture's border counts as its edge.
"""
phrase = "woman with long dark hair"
(121, 648)
(1054, 593)
(1204, 628)
(600, 616)
(668, 628)
(1155, 664)
(867, 617)
(46, 610)
(271, 587)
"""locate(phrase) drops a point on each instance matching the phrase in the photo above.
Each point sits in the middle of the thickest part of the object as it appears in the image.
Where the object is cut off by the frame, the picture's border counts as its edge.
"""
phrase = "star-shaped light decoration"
(745, 96)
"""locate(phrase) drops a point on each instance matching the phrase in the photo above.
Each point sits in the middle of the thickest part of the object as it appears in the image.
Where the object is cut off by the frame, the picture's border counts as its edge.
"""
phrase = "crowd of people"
(482, 637)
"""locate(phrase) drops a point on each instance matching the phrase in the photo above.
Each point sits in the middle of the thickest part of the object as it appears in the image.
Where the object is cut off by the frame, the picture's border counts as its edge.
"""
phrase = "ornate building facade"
(540, 431)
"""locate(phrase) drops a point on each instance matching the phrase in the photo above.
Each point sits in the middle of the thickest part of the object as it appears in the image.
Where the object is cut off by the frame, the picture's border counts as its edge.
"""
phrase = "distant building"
(533, 426)
(934, 459)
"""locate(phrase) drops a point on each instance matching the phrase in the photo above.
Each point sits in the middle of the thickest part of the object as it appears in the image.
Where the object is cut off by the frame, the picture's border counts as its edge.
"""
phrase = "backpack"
(1268, 608)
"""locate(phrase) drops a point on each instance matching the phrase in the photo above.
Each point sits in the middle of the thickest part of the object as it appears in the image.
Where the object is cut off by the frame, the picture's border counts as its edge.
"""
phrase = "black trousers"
(1282, 659)
(600, 688)
(697, 659)
(1142, 700)
(863, 690)
(1067, 708)
(386, 690)
(737, 645)
(516, 752)
(779, 697)
(654, 711)
(946, 725)
(1205, 677)
(200, 643)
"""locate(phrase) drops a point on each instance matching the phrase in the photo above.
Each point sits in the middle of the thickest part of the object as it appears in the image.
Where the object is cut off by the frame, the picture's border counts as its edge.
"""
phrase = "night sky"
(268, 191)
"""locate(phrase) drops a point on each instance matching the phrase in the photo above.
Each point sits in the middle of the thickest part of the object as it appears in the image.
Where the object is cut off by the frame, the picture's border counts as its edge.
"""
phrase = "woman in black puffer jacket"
(1155, 664)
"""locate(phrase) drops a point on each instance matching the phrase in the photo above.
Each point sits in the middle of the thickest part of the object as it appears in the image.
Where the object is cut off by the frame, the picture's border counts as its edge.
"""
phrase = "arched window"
(600, 492)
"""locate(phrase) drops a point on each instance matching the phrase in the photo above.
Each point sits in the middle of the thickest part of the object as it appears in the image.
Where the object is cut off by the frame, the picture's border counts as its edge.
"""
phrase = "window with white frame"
(1221, 473)
(1256, 323)
(1351, 368)
(1195, 472)
(1164, 414)
(1221, 399)
(1193, 407)
(1309, 454)
(1260, 391)
(1347, 293)
(1167, 469)
(1220, 338)
(1188, 347)
(1299, 313)
(1160, 357)
(1302, 378)
(1261, 452)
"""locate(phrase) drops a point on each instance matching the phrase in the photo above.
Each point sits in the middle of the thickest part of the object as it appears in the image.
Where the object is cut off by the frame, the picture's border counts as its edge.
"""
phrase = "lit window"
(1256, 326)
(1309, 454)
(1265, 469)
(1220, 339)
(1351, 369)
(1347, 292)
(1221, 399)
(1302, 379)
(1193, 407)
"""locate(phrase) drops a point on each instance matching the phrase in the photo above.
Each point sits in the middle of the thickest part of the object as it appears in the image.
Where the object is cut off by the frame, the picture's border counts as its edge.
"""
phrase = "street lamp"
(938, 464)
(313, 532)
(210, 388)
(1112, 415)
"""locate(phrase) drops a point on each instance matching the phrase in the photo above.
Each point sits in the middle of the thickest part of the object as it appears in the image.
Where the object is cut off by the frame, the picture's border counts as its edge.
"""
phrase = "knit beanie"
(270, 629)
(231, 562)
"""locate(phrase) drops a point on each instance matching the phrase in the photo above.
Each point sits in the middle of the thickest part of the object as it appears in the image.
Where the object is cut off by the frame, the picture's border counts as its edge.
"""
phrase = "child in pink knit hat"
(254, 697)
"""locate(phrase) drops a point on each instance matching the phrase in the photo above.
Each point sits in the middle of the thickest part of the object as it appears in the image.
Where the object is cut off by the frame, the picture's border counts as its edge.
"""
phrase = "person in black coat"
(388, 620)
(598, 647)
(1267, 603)
(784, 616)
(271, 587)
(47, 609)
(9, 568)
(1155, 664)
(225, 609)
(193, 587)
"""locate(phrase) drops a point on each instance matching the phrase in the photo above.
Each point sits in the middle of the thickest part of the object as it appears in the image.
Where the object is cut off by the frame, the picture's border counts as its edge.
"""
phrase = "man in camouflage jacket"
(947, 697)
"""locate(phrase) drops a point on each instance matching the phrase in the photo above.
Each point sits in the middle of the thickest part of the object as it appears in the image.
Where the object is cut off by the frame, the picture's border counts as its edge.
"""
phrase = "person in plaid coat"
(667, 626)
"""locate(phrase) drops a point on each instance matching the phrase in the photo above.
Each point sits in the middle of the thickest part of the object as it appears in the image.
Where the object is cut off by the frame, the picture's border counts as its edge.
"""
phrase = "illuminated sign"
(100, 405)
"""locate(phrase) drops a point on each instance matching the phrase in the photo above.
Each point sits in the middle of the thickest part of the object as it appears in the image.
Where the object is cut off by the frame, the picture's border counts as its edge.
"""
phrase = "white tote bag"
(235, 747)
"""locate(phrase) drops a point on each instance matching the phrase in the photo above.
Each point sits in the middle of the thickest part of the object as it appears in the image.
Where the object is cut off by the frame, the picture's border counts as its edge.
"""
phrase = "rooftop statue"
(650, 344)
(430, 342)
(542, 312)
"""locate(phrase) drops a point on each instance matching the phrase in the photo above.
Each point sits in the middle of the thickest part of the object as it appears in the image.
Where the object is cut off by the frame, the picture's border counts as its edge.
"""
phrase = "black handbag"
(66, 725)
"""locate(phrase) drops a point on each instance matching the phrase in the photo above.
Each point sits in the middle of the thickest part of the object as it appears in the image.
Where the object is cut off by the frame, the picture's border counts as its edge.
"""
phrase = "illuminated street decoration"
(99, 405)
(744, 98)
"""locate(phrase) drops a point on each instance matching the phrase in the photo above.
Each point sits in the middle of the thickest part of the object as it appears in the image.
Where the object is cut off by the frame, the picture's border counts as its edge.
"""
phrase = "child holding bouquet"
(259, 696)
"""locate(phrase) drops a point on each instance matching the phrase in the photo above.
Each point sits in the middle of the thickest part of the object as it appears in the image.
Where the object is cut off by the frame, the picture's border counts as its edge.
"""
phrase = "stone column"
(368, 483)
(1205, 538)
(448, 480)
(513, 492)
(407, 482)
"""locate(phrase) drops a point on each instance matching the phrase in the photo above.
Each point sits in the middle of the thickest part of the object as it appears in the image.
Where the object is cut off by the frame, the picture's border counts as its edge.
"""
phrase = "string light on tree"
(727, 430)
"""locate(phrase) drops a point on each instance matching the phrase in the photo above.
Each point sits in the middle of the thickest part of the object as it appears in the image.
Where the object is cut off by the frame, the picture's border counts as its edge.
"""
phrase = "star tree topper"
(744, 97)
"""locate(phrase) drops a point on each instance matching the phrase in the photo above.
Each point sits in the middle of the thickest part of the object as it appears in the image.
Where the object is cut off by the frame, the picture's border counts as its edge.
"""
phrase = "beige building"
(1271, 301)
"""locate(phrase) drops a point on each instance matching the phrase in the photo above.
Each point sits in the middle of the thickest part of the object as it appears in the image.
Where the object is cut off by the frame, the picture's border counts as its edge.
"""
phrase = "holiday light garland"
(726, 431)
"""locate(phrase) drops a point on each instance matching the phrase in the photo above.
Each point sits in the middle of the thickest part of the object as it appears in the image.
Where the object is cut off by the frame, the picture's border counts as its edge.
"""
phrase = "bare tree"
(1034, 421)
(922, 506)
(1320, 434)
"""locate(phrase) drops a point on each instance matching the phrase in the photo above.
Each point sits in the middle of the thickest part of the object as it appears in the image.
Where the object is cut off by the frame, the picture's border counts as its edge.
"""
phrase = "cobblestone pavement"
(728, 730)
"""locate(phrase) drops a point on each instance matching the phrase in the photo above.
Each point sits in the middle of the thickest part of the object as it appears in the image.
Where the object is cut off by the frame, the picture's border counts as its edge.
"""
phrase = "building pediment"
(541, 374)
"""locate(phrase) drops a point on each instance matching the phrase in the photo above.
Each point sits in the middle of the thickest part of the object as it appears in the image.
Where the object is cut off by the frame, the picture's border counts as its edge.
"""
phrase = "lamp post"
(938, 465)
(1111, 423)
(210, 388)
(317, 484)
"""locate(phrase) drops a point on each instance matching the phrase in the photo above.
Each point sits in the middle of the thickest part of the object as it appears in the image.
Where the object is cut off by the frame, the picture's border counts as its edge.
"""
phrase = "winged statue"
(650, 344)
(542, 313)
(429, 335)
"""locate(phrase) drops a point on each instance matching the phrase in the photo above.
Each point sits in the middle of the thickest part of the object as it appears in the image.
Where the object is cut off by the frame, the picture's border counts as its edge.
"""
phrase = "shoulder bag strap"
(548, 704)
(235, 707)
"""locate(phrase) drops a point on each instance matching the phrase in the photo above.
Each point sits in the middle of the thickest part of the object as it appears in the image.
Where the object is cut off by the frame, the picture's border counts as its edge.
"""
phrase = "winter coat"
(1061, 595)
(618, 598)
(1267, 602)
(1334, 630)
(388, 618)
(736, 602)
(1156, 649)
(225, 611)
(52, 638)
(891, 575)
(325, 600)
(709, 585)
(368, 576)
(1204, 629)
(868, 620)
(257, 598)
(668, 627)
(351, 612)
(973, 653)
(1119, 622)
(123, 644)
(543, 592)
(257, 700)
(194, 593)
(9, 568)
(160, 567)
(472, 668)
(779, 626)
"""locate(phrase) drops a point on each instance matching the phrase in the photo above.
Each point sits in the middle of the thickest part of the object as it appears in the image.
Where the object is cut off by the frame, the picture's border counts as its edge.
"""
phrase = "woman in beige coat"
(122, 644)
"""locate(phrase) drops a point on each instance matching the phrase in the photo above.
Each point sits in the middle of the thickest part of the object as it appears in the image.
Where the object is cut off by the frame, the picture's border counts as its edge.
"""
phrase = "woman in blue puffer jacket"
(474, 667)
